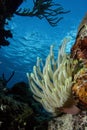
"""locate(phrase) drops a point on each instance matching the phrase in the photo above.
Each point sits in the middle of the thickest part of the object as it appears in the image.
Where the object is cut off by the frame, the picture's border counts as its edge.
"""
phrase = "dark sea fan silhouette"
(42, 9)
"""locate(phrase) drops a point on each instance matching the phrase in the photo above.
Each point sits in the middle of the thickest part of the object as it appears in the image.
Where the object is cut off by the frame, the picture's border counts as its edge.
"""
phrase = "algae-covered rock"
(17, 109)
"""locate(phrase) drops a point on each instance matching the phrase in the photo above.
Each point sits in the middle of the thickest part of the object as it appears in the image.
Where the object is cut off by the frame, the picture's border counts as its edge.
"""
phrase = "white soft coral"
(51, 84)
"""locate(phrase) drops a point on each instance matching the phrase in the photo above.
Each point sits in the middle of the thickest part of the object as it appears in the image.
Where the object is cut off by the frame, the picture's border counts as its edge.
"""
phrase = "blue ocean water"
(32, 38)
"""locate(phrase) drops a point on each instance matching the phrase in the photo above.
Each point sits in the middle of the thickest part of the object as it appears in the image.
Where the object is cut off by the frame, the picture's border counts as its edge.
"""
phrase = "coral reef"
(60, 84)
(19, 111)
(79, 52)
(69, 122)
(79, 49)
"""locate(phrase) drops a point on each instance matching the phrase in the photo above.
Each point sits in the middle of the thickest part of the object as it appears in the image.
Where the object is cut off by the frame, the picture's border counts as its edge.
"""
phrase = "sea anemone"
(51, 83)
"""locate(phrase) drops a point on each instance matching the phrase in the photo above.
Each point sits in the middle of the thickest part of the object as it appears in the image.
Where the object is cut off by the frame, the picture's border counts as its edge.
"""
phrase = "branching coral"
(41, 8)
(44, 9)
(51, 83)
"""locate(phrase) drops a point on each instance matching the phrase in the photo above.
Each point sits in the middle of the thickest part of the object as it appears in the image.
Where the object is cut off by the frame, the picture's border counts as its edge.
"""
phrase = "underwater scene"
(43, 65)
